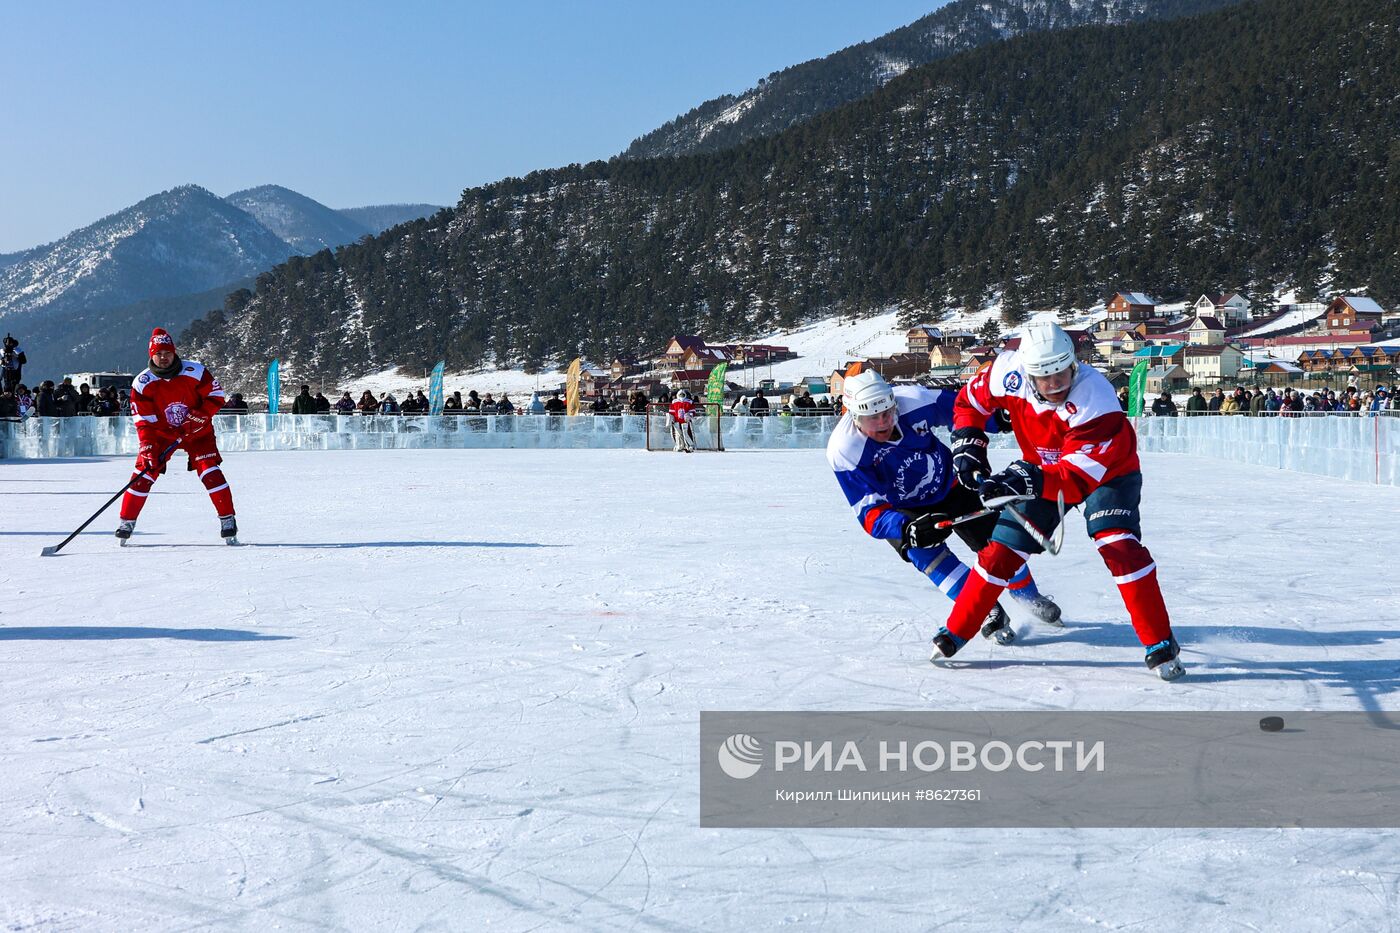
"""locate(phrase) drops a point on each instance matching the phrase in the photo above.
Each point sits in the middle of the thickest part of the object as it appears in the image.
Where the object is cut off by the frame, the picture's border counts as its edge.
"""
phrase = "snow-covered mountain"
(801, 92)
(82, 301)
(307, 226)
(182, 240)
(383, 216)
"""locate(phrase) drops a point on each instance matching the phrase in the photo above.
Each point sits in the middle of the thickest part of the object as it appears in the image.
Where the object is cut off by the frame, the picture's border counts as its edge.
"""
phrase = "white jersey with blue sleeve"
(913, 469)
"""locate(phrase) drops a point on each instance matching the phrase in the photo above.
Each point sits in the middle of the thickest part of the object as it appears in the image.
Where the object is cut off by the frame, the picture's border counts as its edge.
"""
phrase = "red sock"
(219, 493)
(996, 565)
(135, 499)
(1136, 575)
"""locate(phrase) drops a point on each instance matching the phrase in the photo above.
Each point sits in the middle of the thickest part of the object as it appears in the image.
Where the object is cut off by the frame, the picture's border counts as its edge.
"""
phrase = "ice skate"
(1045, 611)
(945, 645)
(124, 531)
(228, 529)
(1163, 658)
(998, 626)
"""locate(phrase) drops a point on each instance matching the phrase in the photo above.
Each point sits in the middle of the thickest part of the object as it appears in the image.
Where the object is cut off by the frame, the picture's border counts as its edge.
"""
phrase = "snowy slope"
(460, 690)
(307, 226)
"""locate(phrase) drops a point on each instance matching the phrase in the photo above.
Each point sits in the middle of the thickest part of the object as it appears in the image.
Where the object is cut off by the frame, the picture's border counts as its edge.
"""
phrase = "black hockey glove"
(921, 533)
(1021, 480)
(970, 457)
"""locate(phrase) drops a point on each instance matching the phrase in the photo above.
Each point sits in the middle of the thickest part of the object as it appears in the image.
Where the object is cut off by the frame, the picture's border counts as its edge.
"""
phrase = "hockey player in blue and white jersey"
(900, 480)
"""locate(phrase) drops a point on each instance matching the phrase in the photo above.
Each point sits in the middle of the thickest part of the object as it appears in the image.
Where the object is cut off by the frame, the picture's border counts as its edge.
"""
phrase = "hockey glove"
(195, 422)
(1021, 480)
(921, 533)
(148, 460)
(970, 457)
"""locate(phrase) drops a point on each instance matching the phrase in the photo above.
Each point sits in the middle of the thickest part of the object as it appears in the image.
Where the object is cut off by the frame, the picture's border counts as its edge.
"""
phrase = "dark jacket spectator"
(1196, 404)
(44, 403)
(802, 403)
(488, 404)
(345, 405)
(555, 405)
(1257, 404)
(410, 405)
(9, 405)
(12, 360)
(86, 401)
(66, 398)
(1216, 401)
(235, 406)
(1123, 398)
(473, 404)
(1163, 406)
(600, 406)
(104, 404)
(368, 404)
(504, 406)
(424, 406)
(304, 404)
(453, 402)
(323, 404)
(758, 406)
(638, 403)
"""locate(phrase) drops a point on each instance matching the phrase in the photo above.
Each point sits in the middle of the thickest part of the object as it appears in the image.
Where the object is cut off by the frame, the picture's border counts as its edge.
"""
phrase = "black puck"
(1271, 723)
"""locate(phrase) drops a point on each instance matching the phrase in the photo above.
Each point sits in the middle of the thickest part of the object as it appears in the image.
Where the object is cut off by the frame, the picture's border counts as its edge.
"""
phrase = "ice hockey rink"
(461, 690)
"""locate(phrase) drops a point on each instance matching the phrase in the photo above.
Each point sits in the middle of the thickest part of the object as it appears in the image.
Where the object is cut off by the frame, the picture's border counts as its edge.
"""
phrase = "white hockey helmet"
(1045, 348)
(683, 394)
(867, 393)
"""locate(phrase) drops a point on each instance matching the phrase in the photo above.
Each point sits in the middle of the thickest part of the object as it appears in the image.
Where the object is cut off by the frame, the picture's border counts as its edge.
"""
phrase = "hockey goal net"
(706, 426)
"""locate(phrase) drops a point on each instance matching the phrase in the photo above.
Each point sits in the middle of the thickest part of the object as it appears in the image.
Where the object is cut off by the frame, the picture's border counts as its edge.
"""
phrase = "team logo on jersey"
(1012, 382)
(176, 413)
(1069, 407)
(917, 478)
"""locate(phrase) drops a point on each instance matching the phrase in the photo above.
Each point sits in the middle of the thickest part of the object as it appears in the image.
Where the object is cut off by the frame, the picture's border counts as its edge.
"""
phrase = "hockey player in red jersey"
(173, 402)
(1075, 440)
(679, 417)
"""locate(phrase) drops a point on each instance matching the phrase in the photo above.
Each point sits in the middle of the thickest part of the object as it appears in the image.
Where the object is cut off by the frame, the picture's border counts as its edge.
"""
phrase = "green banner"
(714, 389)
(1137, 388)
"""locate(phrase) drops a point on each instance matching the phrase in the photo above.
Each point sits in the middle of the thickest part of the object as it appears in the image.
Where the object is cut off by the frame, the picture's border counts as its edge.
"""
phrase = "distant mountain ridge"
(168, 259)
(305, 225)
(381, 217)
(801, 92)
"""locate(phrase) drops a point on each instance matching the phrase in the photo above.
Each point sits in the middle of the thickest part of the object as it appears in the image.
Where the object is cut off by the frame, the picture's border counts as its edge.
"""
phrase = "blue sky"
(356, 103)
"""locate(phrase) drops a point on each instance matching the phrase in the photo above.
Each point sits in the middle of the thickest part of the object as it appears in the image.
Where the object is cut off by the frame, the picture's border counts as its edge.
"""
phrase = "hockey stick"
(51, 551)
(1051, 545)
(980, 513)
(1055, 541)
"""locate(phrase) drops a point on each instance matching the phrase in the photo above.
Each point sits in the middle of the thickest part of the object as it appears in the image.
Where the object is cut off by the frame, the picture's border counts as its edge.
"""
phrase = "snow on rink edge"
(447, 689)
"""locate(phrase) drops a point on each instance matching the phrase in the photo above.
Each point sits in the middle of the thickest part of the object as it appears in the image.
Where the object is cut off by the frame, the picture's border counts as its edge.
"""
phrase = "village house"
(1212, 363)
(1206, 332)
(1131, 306)
(1232, 308)
(1350, 312)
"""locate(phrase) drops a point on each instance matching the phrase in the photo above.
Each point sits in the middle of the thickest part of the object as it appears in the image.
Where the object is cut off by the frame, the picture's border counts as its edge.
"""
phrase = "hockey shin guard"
(219, 493)
(1023, 585)
(942, 567)
(134, 500)
(996, 565)
(1135, 572)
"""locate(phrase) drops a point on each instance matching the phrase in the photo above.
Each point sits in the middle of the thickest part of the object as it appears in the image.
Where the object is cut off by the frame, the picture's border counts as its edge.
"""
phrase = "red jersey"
(682, 409)
(1079, 444)
(160, 406)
